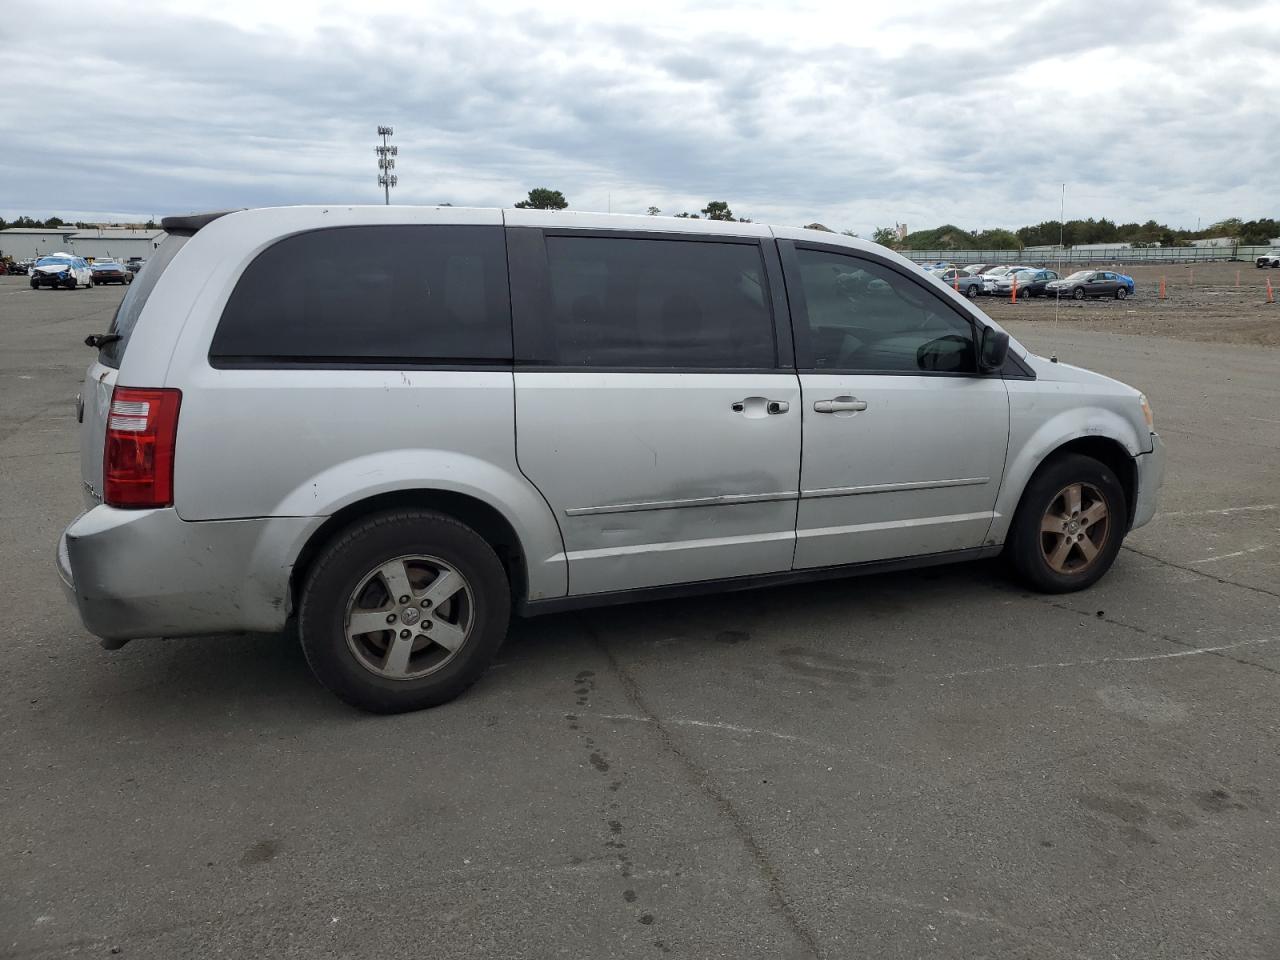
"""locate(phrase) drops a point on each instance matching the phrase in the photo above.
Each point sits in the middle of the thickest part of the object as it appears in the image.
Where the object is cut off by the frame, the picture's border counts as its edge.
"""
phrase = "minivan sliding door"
(657, 408)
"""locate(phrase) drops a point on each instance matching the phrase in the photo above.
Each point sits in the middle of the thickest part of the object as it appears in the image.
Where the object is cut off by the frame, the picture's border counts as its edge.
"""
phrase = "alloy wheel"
(409, 617)
(1074, 528)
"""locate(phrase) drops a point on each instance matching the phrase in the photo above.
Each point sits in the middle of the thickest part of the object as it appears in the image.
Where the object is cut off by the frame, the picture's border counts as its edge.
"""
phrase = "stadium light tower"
(386, 163)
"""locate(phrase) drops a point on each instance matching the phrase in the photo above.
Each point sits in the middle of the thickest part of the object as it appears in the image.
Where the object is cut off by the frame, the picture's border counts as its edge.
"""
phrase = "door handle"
(754, 407)
(839, 405)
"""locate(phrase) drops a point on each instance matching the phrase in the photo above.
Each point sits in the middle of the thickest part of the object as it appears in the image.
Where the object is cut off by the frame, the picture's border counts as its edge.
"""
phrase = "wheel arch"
(1106, 450)
(482, 517)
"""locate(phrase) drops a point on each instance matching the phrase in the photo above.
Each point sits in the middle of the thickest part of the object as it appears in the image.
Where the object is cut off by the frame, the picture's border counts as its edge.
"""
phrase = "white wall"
(119, 248)
(25, 246)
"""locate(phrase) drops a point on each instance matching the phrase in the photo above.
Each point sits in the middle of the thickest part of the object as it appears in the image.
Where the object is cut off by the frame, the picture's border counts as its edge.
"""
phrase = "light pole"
(386, 163)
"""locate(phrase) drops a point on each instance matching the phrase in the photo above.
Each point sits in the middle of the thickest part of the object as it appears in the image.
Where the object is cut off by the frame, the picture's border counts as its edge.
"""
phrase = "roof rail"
(193, 221)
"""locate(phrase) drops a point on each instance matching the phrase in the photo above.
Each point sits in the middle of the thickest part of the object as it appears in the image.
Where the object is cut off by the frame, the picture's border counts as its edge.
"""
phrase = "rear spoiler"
(186, 226)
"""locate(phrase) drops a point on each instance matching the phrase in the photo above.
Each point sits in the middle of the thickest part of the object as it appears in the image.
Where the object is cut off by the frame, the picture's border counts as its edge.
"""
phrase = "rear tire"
(403, 662)
(1059, 541)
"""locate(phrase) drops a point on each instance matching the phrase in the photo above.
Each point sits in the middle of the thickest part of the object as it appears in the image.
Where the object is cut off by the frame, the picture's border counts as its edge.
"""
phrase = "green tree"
(653, 211)
(717, 210)
(885, 236)
(544, 198)
(152, 225)
(54, 222)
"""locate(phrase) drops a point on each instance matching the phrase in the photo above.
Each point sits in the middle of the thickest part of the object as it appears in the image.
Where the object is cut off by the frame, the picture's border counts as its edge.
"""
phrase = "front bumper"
(148, 573)
(1150, 477)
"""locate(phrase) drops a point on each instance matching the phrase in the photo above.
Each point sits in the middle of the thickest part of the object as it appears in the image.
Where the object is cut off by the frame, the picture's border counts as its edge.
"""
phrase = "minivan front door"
(904, 442)
(653, 410)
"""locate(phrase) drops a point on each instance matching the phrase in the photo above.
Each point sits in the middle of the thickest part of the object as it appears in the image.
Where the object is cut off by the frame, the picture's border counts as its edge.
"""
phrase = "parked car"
(962, 281)
(1091, 283)
(134, 264)
(1268, 259)
(490, 411)
(110, 271)
(1031, 282)
(992, 277)
(61, 270)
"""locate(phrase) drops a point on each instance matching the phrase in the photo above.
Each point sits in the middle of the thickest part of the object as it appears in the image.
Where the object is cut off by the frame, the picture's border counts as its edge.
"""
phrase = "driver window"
(867, 317)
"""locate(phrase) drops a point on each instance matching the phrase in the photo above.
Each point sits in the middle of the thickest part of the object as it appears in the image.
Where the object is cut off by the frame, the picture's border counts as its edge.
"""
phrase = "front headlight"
(1146, 412)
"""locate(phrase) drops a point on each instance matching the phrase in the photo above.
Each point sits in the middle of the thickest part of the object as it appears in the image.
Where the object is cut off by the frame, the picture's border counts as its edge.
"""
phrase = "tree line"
(52, 223)
(1076, 232)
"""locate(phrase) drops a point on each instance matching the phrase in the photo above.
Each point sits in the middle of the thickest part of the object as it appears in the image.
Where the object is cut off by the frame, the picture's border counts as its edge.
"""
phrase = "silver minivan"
(393, 427)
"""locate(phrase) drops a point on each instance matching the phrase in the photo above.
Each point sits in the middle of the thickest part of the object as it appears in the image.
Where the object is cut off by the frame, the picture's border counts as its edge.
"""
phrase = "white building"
(119, 244)
(27, 243)
(1214, 242)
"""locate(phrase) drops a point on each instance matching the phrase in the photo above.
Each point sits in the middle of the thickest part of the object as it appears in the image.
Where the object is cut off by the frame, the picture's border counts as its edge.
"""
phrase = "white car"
(1269, 259)
(61, 270)
(992, 278)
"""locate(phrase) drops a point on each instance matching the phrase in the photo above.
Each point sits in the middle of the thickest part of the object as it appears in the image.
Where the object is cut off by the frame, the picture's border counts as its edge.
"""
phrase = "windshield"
(106, 263)
(133, 302)
(54, 262)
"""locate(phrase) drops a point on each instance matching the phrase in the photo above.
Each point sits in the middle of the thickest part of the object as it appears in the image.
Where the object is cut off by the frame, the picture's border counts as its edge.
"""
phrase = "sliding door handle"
(839, 405)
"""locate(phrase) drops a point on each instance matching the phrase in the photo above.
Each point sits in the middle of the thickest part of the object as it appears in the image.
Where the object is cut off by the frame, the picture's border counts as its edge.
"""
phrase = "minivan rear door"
(100, 379)
(657, 405)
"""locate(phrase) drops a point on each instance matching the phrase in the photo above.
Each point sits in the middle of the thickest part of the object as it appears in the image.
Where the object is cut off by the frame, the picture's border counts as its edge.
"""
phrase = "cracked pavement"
(934, 763)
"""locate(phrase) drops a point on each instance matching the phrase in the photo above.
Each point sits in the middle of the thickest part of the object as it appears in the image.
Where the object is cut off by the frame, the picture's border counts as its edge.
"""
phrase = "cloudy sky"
(856, 114)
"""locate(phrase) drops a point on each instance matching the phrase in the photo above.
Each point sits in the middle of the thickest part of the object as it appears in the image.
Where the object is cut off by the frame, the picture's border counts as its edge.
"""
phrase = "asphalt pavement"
(935, 763)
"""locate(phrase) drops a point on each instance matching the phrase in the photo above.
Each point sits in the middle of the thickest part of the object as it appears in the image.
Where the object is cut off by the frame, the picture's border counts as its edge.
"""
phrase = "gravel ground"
(935, 763)
(1202, 303)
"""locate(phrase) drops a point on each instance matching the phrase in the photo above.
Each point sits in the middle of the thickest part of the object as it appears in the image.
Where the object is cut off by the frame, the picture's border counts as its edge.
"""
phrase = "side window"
(656, 303)
(865, 316)
(425, 294)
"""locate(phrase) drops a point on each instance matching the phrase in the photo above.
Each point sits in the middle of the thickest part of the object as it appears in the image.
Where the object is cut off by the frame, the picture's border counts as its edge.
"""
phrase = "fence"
(1096, 255)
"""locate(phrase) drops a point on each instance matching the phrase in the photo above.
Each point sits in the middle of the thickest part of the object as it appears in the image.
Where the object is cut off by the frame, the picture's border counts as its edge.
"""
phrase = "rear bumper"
(148, 573)
(1150, 477)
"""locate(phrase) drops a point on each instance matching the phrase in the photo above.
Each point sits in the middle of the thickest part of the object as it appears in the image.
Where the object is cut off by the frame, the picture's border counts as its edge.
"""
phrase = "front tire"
(403, 611)
(1122, 293)
(1077, 293)
(973, 291)
(1069, 526)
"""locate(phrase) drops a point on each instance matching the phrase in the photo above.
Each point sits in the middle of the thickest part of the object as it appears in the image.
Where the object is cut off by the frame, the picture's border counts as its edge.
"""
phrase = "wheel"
(972, 291)
(34, 285)
(1077, 293)
(1122, 292)
(403, 611)
(71, 284)
(1069, 525)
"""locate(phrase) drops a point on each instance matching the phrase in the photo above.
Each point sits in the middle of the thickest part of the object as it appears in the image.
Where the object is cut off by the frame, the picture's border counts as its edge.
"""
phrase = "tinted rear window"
(417, 294)
(624, 302)
(136, 298)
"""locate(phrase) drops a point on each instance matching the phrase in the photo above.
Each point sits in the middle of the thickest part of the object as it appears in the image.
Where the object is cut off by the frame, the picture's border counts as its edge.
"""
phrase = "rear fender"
(391, 471)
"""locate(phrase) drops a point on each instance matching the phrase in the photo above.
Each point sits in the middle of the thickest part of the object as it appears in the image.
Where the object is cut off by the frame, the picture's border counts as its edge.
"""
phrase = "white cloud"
(848, 114)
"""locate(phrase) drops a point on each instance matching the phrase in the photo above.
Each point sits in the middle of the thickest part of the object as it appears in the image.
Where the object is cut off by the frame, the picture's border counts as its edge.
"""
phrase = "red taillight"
(137, 464)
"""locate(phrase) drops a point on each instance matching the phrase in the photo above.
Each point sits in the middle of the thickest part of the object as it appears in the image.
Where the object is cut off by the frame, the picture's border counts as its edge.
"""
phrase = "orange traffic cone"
(1162, 288)
(1271, 297)
(1013, 293)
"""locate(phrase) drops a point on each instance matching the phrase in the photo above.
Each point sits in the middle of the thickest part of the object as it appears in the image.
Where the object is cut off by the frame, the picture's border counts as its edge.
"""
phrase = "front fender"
(391, 471)
(1030, 445)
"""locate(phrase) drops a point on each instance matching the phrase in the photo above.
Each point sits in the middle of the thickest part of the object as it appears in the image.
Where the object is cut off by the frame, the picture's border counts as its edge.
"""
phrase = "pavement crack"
(1201, 573)
(702, 780)
(1190, 648)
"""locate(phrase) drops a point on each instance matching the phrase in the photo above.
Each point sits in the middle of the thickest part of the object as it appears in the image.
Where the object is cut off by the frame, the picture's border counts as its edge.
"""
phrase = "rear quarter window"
(136, 298)
(431, 294)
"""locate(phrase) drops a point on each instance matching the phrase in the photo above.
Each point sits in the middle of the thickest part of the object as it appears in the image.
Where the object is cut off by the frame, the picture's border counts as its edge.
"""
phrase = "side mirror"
(992, 350)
